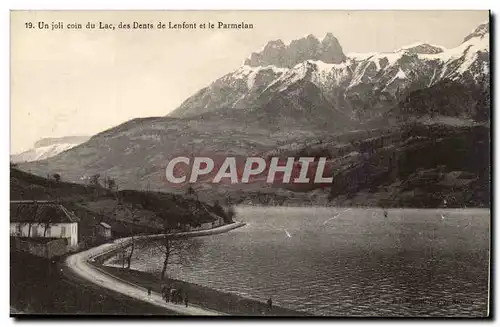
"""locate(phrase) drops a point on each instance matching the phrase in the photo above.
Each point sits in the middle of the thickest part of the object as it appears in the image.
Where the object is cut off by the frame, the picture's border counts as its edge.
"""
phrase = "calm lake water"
(349, 262)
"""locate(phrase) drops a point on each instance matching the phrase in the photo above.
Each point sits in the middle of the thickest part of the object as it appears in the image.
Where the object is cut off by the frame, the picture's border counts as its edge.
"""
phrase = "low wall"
(54, 248)
(122, 243)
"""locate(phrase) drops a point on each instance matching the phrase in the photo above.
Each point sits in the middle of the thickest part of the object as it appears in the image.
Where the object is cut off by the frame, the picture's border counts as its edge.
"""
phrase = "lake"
(349, 262)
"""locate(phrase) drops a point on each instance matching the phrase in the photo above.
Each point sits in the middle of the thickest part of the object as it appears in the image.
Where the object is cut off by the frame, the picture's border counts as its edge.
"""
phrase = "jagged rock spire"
(307, 48)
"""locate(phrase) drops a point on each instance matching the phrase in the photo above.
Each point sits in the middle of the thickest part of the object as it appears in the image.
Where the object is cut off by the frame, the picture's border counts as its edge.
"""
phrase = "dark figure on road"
(173, 295)
(385, 213)
(176, 296)
(186, 299)
(269, 304)
(149, 291)
(167, 294)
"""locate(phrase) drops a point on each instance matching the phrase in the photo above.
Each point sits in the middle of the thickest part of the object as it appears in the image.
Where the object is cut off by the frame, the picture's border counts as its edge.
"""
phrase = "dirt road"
(79, 264)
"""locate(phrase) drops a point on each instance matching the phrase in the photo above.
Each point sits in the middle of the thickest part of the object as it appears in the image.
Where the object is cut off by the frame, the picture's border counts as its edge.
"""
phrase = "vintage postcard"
(250, 163)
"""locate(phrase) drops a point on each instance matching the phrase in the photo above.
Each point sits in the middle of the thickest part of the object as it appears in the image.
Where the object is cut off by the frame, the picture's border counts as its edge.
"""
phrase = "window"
(34, 231)
(47, 231)
(63, 231)
(19, 230)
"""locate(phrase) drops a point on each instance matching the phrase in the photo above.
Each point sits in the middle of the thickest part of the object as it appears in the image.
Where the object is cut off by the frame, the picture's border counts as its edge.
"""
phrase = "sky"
(81, 82)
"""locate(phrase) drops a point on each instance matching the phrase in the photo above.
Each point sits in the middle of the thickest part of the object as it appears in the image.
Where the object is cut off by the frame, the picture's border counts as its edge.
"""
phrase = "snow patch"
(399, 75)
(43, 152)
(330, 73)
(249, 73)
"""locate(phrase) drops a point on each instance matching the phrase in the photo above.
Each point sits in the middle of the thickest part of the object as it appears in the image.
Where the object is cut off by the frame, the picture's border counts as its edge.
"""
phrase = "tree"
(230, 214)
(218, 209)
(134, 220)
(32, 213)
(110, 183)
(122, 208)
(18, 211)
(191, 192)
(46, 219)
(173, 247)
(227, 212)
(94, 179)
(57, 177)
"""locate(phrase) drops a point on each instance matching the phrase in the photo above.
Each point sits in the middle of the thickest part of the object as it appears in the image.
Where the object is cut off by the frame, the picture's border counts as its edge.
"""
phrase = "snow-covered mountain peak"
(481, 31)
(359, 82)
(48, 147)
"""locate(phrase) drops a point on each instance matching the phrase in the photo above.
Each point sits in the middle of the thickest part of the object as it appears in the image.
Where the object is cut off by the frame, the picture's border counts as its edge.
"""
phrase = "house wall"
(102, 231)
(61, 230)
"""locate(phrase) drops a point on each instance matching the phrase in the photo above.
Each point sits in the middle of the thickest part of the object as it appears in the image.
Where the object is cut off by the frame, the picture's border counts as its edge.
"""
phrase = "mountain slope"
(136, 152)
(414, 165)
(48, 147)
(136, 210)
(447, 98)
(269, 109)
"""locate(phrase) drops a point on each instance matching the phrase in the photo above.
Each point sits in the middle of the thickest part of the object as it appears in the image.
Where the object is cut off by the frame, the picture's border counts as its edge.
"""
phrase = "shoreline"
(298, 206)
(83, 265)
(207, 232)
(202, 296)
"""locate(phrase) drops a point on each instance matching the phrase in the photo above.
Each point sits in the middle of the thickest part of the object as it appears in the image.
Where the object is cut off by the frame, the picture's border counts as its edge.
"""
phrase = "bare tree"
(17, 213)
(132, 234)
(132, 248)
(36, 215)
(133, 211)
(33, 215)
(175, 248)
(47, 218)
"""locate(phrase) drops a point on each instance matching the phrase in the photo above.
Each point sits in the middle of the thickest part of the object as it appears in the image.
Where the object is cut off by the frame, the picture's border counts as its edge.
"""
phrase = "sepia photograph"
(319, 163)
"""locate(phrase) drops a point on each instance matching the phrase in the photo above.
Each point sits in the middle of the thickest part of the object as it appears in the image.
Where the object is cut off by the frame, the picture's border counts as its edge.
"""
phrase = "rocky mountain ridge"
(360, 86)
(276, 53)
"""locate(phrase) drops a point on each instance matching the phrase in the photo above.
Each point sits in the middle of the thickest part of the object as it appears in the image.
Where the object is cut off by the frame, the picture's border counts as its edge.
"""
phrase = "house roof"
(41, 212)
(104, 225)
